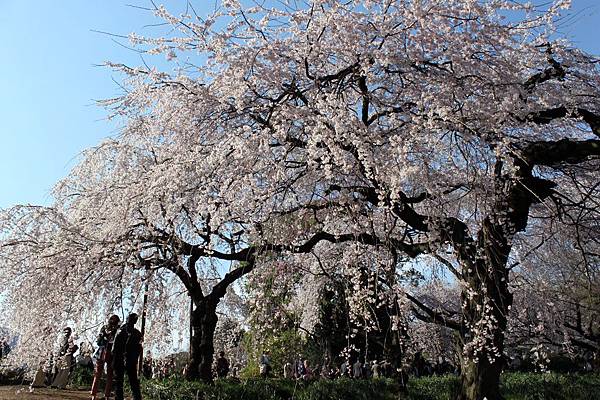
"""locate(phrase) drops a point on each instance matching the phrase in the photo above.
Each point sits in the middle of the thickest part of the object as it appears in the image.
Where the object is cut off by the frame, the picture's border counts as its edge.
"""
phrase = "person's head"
(132, 319)
(221, 354)
(114, 320)
(67, 331)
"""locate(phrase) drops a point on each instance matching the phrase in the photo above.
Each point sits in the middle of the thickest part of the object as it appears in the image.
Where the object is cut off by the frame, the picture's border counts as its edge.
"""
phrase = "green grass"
(555, 386)
(515, 386)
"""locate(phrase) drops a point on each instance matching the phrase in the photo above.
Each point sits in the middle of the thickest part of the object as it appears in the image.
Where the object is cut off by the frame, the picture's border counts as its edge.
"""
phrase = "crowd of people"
(356, 368)
(117, 355)
(301, 369)
(119, 348)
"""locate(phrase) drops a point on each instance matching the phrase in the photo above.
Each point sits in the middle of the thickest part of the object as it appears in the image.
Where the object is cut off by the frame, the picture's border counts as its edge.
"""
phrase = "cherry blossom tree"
(119, 222)
(453, 121)
(556, 292)
(435, 129)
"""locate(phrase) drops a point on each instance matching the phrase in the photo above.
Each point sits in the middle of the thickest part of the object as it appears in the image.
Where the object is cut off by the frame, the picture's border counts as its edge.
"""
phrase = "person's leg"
(134, 381)
(109, 374)
(119, 375)
(97, 374)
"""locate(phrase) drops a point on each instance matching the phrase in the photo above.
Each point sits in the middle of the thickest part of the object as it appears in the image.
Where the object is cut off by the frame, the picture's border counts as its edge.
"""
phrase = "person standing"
(265, 365)
(105, 341)
(63, 360)
(127, 349)
(345, 369)
(222, 365)
(326, 372)
(147, 368)
(288, 371)
(357, 369)
(308, 373)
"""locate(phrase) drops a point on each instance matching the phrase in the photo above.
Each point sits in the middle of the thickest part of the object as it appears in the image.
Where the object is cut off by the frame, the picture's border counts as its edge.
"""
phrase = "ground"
(22, 393)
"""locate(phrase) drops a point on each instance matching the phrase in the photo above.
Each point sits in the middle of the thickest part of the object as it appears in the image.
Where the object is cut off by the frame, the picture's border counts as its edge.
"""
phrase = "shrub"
(82, 377)
(348, 389)
(515, 386)
(554, 386)
(433, 388)
(271, 389)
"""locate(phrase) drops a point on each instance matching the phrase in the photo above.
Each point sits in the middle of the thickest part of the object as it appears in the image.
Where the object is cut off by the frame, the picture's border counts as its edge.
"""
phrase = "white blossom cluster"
(329, 137)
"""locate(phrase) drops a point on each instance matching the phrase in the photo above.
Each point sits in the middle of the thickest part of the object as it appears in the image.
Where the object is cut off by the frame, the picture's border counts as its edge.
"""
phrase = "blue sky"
(49, 82)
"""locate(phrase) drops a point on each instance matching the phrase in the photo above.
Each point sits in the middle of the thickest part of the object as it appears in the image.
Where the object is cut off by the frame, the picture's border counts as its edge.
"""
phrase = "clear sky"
(48, 80)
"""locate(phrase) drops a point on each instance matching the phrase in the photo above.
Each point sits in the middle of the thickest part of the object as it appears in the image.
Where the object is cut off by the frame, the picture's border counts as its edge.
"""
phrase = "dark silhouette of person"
(222, 366)
(127, 349)
(105, 342)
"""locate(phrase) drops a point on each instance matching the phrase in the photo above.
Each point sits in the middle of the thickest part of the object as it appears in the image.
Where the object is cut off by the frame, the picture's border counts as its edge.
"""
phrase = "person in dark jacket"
(222, 366)
(127, 349)
(105, 341)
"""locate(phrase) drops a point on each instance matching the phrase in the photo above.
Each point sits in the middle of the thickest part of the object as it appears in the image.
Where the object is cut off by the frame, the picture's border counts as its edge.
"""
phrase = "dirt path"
(22, 393)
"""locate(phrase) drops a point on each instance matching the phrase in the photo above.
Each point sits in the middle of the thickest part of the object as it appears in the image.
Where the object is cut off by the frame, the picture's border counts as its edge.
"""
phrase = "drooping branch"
(432, 316)
(564, 151)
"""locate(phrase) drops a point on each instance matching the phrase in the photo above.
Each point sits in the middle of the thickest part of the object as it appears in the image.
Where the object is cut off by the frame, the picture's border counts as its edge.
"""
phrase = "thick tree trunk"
(480, 380)
(486, 301)
(204, 321)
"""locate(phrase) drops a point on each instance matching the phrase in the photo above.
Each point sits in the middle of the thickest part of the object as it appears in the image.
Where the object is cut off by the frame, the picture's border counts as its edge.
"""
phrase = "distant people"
(84, 358)
(184, 370)
(170, 367)
(288, 370)
(235, 370)
(222, 366)
(4, 347)
(345, 369)
(66, 341)
(105, 341)
(308, 372)
(265, 365)
(63, 363)
(147, 368)
(300, 371)
(386, 369)
(41, 376)
(126, 351)
(375, 370)
(357, 369)
(419, 365)
(49, 370)
(326, 372)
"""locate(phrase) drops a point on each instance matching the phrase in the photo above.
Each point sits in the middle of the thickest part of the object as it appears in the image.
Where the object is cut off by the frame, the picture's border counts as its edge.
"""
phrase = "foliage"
(433, 388)
(272, 389)
(11, 375)
(82, 377)
(378, 389)
(253, 389)
(283, 346)
(550, 386)
(328, 135)
(515, 386)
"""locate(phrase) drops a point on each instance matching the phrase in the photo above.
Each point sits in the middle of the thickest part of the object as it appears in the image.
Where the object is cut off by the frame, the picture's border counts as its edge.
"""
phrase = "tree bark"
(480, 380)
(204, 321)
(486, 301)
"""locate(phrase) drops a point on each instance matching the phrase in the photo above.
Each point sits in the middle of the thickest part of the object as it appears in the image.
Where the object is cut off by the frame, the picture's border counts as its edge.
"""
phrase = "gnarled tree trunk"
(204, 321)
(486, 301)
